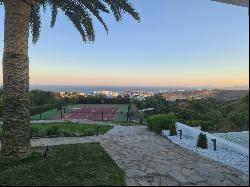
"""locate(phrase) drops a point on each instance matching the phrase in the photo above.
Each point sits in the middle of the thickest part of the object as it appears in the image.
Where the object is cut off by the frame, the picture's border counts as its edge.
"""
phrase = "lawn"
(68, 129)
(75, 165)
(49, 115)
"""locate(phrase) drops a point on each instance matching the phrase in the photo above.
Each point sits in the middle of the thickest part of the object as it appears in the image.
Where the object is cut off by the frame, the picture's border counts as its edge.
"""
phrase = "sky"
(178, 43)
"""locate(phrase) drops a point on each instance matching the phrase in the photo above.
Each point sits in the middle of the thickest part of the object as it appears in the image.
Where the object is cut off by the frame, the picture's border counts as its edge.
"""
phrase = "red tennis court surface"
(92, 113)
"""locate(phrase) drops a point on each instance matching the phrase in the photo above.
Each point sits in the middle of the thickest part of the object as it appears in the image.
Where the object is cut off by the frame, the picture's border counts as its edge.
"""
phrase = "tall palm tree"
(20, 15)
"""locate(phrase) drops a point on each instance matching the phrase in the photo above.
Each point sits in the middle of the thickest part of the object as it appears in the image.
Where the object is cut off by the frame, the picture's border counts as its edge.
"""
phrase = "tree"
(157, 102)
(19, 16)
(215, 116)
(240, 116)
(40, 97)
(246, 99)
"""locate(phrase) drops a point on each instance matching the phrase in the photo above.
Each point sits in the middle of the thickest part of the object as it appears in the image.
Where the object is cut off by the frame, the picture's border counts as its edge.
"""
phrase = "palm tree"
(20, 15)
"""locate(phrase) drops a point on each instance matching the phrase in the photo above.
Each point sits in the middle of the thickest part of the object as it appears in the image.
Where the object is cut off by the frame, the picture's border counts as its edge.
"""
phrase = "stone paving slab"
(152, 160)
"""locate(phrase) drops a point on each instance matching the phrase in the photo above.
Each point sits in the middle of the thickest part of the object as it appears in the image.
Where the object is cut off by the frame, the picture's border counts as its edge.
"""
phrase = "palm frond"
(35, 23)
(81, 14)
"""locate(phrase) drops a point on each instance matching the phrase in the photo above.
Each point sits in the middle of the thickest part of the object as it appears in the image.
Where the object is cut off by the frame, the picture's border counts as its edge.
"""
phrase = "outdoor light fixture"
(97, 131)
(214, 142)
(46, 151)
(180, 133)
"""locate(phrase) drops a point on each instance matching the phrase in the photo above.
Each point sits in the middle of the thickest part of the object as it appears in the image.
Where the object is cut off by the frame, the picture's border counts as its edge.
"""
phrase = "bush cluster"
(53, 130)
(205, 125)
(67, 130)
(159, 122)
(202, 141)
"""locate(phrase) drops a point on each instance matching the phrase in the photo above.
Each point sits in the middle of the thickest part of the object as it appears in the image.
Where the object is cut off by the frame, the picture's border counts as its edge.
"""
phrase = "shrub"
(172, 129)
(215, 116)
(37, 132)
(89, 132)
(67, 133)
(53, 130)
(240, 116)
(182, 121)
(159, 122)
(205, 125)
(202, 141)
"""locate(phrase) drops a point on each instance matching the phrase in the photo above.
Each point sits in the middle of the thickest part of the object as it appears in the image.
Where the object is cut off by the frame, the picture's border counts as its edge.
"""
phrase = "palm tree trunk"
(16, 127)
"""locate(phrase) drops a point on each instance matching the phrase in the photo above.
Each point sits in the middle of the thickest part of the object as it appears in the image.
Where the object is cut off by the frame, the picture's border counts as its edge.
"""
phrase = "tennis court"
(94, 113)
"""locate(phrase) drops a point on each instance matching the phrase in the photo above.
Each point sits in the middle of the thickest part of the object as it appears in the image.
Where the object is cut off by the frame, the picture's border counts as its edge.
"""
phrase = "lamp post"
(214, 142)
(128, 109)
(97, 131)
(46, 151)
(180, 133)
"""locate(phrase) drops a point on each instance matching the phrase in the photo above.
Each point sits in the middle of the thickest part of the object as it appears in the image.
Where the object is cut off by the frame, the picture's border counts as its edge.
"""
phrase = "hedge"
(205, 125)
(159, 122)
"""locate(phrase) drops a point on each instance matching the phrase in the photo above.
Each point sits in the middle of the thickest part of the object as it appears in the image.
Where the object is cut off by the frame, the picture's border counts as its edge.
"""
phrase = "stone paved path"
(151, 160)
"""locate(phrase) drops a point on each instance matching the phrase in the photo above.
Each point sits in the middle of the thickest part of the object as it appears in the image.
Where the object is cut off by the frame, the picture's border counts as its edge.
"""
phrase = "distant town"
(169, 95)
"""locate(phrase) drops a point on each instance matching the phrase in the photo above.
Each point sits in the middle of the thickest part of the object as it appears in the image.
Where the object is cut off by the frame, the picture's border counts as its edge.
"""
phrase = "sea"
(91, 89)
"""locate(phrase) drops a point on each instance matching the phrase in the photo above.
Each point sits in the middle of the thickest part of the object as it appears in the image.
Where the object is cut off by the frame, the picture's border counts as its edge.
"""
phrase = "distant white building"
(140, 98)
(62, 94)
(108, 94)
(82, 94)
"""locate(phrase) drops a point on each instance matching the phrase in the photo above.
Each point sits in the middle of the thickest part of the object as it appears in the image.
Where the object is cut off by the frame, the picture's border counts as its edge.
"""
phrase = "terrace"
(117, 151)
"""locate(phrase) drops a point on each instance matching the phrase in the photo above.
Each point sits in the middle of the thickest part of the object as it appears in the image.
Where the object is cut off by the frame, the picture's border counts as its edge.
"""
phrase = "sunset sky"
(178, 43)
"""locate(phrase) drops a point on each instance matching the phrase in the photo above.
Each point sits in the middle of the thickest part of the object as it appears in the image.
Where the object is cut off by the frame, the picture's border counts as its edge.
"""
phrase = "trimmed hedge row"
(159, 122)
(205, 125)
(40, 109)
(67, 129)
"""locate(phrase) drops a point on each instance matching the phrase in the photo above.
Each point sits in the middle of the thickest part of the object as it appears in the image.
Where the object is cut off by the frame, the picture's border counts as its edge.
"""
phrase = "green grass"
(49, 115)
(75, 165)
(68, 129)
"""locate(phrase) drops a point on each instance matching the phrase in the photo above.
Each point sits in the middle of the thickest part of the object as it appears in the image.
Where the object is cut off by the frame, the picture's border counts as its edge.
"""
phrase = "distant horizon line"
(139, 86)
